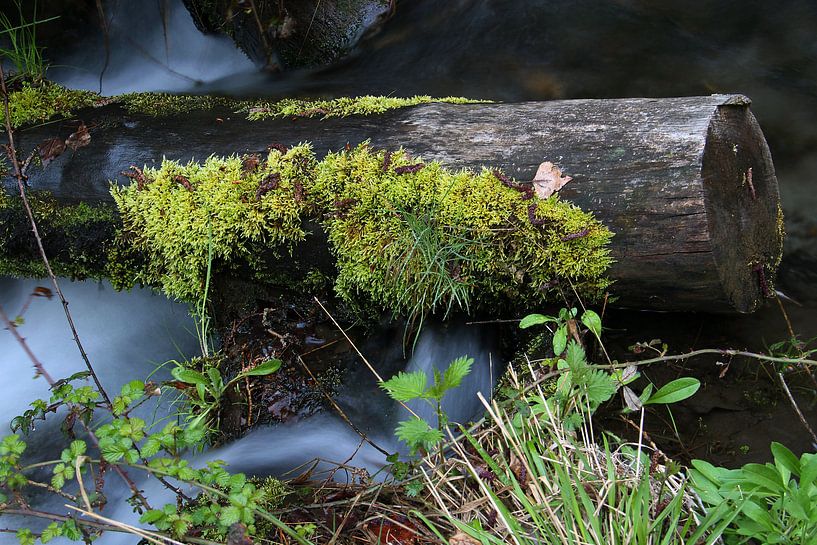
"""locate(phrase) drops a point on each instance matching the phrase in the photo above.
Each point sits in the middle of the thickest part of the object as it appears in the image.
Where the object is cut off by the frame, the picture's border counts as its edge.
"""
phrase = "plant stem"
(12, 152)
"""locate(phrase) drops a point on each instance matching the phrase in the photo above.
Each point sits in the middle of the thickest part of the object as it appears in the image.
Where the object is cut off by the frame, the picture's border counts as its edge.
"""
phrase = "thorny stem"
(41, 370)
(21, 186)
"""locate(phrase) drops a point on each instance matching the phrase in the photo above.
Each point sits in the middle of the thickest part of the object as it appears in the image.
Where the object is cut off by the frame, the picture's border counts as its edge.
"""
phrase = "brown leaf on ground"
(79, 139)
(237, 535)
(548, 180)
(461, 538)
(51, 149)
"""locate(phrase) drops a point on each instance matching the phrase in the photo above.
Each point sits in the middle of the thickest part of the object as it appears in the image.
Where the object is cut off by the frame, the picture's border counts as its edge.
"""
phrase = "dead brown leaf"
(51, 149)
(461, 538)
(79, 139)
(548, 180)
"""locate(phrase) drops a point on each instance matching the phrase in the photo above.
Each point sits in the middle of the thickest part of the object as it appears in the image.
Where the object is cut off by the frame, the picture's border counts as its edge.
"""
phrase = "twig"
(340, 411)
(796, 407)
(21, 186)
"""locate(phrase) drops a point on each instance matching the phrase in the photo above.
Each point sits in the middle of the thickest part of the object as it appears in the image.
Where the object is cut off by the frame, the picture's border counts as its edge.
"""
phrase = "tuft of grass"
(23, 52)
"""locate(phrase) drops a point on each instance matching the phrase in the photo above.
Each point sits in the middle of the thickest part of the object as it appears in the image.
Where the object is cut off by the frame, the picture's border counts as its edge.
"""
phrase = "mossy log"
(687, 185)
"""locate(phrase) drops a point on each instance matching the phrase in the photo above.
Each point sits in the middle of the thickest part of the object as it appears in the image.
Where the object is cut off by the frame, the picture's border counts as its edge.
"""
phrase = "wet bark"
(686, 184)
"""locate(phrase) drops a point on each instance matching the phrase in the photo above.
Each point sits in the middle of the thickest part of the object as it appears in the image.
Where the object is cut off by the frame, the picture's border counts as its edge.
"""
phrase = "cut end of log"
(743, 205)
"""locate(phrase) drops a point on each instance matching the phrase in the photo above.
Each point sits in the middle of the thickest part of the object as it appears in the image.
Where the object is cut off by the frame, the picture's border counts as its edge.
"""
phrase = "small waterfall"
(149, 54)
(438, 346)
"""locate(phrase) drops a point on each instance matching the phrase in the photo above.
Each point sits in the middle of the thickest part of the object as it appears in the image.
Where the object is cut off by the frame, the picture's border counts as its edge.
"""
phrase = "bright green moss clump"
(39, 102)
(342, 107)
(408, 236)
(415, 237)
(230, 208)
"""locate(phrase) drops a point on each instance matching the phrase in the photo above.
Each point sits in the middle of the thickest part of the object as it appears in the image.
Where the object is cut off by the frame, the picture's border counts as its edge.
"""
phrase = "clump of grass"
(536, 482)
(23, 52)
(416, 237)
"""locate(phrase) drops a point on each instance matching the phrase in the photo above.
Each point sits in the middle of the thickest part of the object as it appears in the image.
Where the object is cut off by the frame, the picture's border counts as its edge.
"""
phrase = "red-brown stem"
(21, 186)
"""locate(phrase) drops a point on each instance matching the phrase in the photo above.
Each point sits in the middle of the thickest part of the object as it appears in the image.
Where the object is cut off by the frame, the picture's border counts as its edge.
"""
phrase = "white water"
(147, 55)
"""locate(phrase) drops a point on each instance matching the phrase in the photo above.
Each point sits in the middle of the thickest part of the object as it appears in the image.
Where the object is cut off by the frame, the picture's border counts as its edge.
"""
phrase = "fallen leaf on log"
(79, 139)
(51, 149)
(461, 538)
(548, 180)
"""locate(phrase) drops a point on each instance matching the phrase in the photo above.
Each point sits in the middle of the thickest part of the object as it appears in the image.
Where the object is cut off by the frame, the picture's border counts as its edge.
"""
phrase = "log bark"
(686, 184)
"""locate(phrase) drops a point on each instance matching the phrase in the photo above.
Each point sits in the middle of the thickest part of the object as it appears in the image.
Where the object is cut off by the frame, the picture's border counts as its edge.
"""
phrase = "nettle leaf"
(592, 321)
(675, 391)
(535, 319)
(576, 358)
(406, 386)
(456, 372)
(265, 368)
(560, 340)
(50, 532)
(230, 515)
(599, 386)
(416, 433)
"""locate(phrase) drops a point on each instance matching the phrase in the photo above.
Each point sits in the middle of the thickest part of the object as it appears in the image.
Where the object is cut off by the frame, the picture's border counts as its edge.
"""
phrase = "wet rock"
(288, 34)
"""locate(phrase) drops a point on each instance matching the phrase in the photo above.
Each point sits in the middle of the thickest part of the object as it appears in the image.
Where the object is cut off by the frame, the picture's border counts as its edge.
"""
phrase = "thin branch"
(796, 407)
(21, 186)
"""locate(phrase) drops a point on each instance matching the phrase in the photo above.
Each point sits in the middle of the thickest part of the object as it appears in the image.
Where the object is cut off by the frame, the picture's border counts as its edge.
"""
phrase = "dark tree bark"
(686, 184)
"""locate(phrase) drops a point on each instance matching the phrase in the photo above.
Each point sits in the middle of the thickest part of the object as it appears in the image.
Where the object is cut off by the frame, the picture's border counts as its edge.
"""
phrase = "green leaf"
(416, 433)
(25, 536)
(265, 368)
(560, 340)
(188, 376)
(675, 391)
(229, 515)
(592, 321)
(784, 458)
(406, 386)
(50, 532)
(153, 516)
(599, 386)
(456, 372)
(575, 357)
(535, 319)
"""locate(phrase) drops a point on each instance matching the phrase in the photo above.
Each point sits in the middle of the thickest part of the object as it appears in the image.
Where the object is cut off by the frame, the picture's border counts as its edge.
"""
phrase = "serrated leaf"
(406, 386)
(265, 368)
(675, 391)
(151, 446)
(560, 340)
(50, 532)
(575, 356)
(229, 515)
(153, 516)
(416, 433)
(456, 372)
(599, 386)
(592, 321)
(188, 376)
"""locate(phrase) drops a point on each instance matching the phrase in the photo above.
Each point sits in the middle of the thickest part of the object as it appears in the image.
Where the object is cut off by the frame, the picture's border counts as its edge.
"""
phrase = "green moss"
(232, 210)
(39, 102)
(75, 237)
(165, 104)
(409, 241)
(414, 242)
(341, 107)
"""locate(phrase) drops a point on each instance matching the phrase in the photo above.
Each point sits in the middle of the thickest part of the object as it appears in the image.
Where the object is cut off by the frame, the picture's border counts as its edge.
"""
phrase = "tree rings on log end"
(743, 205)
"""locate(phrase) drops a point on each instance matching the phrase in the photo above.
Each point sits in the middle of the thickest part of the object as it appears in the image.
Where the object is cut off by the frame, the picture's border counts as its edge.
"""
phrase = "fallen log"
(687, 185)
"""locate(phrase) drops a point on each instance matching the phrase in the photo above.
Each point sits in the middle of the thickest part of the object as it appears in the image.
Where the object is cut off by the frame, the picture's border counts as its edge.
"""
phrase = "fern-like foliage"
(417, 433)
